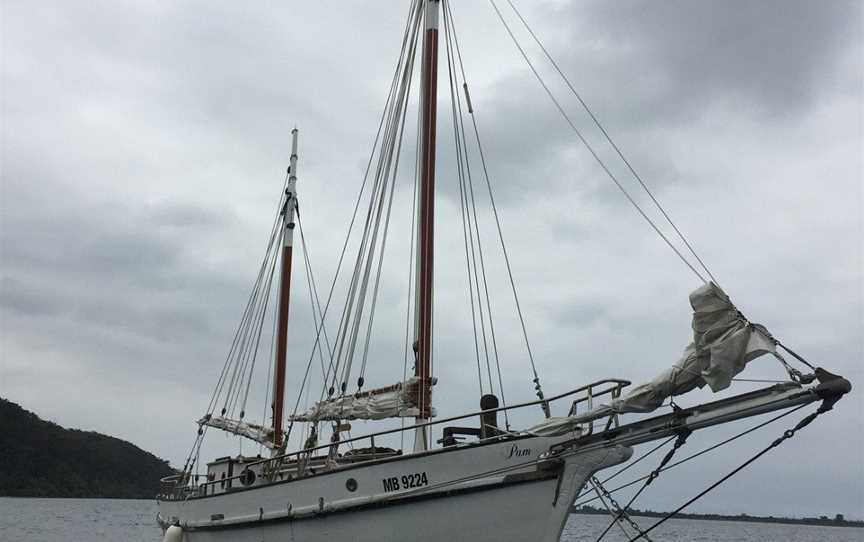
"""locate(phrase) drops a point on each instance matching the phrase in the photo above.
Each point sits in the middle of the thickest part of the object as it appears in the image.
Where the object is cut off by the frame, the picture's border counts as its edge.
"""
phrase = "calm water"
(90, 520)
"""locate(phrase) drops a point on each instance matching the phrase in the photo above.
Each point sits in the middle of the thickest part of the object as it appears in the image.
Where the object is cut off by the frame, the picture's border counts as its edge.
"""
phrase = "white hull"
(527, 499)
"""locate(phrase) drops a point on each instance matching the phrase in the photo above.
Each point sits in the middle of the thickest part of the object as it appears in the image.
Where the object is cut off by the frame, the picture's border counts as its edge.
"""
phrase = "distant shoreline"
(43, 460)
(822, 521)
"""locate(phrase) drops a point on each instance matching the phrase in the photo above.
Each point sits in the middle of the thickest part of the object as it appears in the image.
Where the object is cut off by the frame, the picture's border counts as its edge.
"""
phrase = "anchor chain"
(620, 513)
(683, 433)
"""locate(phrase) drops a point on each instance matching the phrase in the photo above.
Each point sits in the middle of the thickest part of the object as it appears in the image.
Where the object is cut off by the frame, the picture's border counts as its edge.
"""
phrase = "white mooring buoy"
(173, 534)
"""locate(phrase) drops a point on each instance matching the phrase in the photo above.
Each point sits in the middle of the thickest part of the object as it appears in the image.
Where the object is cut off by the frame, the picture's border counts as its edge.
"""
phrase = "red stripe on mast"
(281, 346)
(429, 82)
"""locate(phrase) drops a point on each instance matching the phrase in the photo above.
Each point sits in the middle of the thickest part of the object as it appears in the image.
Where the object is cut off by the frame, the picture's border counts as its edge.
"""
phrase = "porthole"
(247, 477)
(351, 485)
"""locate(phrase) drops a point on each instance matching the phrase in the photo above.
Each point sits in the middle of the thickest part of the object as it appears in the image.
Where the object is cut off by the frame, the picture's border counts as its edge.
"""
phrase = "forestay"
(400, 400)
(723, 343)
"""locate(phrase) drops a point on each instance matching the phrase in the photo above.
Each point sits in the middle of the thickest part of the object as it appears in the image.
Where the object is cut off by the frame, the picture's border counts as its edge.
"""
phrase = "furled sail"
(723, 343)
(262, 435)
(397, 401)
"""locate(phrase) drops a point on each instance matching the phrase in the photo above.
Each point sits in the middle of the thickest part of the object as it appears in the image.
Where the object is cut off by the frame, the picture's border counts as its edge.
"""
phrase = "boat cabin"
(227, 473)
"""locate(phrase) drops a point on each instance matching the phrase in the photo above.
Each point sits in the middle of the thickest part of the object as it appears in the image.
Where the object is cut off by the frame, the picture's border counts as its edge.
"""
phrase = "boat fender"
(173, 534)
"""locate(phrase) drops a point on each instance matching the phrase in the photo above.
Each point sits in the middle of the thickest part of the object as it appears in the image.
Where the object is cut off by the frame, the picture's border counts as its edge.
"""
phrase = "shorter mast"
(288, 211)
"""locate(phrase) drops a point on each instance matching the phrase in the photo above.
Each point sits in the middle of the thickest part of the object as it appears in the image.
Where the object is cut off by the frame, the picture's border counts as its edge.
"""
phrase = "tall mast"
(284, 294)
(426, 222)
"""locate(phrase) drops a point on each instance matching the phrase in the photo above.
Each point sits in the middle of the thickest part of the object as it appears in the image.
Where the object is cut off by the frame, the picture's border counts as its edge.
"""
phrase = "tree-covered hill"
(42, 459)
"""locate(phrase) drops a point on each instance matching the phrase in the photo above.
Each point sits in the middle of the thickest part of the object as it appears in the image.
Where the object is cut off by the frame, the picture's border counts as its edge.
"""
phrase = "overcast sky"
(143, 145)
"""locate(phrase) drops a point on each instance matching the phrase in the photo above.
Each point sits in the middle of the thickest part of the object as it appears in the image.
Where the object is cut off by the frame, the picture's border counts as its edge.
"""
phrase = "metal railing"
(185, 485)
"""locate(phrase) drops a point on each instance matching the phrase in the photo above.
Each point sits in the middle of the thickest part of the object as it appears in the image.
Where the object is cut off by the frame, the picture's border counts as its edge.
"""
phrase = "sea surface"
(108, 520)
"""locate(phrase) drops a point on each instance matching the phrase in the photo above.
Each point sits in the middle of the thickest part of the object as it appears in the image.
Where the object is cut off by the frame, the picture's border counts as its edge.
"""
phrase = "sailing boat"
(465, 477)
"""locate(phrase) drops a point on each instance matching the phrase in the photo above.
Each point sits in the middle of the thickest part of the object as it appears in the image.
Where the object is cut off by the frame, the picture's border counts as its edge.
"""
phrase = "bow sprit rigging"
(694, 267)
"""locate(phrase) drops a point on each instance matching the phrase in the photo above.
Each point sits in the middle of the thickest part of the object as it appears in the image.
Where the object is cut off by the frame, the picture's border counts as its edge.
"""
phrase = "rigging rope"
(398, 153)
(679, 441)
(254, 353)
(383, 136)
(348, 330)
(789, 433)
(313, 295)
(794, 355)
(359, 199)
(267, 388)
(469, 226)
(590, 148)
(537, 386)
(470, 197)
(243, 321)
(240, 360)
(412, 232)
(690, 457)
(233, 357)
(612, 142)
(639, 459)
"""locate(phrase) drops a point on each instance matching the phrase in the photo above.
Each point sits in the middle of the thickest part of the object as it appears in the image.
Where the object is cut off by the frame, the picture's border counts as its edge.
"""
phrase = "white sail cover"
(723, 343)
(396, 401)
(262, 435)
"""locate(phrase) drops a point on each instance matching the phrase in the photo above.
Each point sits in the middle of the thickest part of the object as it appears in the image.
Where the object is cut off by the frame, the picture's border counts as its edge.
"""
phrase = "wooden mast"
(426, 222)
(284, 296)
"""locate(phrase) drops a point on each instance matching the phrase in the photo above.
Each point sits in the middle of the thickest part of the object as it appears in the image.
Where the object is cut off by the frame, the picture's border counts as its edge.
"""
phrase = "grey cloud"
(775, 55)
(24, 298)
(185, 215)
(667, 64)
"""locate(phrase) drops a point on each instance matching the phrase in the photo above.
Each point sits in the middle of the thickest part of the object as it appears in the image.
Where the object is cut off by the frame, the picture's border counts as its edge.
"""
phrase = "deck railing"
(182, 486)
